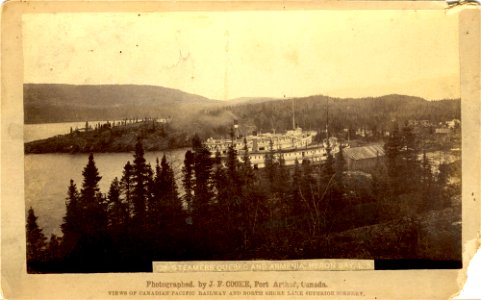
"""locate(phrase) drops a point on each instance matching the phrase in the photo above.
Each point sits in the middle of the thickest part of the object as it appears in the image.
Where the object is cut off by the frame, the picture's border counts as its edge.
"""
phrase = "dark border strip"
(416, 264)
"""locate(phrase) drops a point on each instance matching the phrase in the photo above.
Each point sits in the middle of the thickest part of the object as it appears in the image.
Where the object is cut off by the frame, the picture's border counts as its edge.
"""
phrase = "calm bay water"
(33, 132)
(47, 177)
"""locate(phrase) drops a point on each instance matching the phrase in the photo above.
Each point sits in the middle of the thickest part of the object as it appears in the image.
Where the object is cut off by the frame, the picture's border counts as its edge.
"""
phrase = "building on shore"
(363, 158)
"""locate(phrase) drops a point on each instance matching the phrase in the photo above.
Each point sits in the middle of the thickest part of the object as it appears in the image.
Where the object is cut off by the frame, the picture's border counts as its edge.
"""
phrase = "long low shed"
(363, 158)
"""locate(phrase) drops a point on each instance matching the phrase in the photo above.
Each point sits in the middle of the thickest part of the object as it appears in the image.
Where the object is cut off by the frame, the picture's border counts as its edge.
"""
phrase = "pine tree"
(150, 187)
(115, 208)
(298, 212)
(411, 167)
(91, 179)
(202, 184)
(281, 205)
(171, 207)
(282, 176)
(93, 242)
(393, 148)
(336, 191)
(92, 202)
(327, 169)
(270, 167)
(329, 196)
(232, 164)
(221, 207)
(444, 189)
(72, 219)
(54, 250)
(247, 172)
(158, 189)
(188, 172)
(379, 181)
(296, 182)
(340, 163)
(140, 182)
(36, 245)
(235, 200)
(85, 225)
(428, 198)
(310, 201)
(126, 188)
(196, 143)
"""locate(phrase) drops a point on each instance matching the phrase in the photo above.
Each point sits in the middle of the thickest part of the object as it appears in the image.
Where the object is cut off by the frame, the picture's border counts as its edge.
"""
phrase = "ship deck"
(290, 150)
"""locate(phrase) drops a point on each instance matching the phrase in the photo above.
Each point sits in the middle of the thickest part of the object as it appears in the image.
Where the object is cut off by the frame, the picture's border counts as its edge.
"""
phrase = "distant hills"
(46, 103)
(373, 113)
(249, 100)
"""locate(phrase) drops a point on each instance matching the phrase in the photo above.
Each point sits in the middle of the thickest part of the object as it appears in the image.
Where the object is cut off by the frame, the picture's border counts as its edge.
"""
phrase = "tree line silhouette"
(229, 210)
(115, 136)
(371, 113)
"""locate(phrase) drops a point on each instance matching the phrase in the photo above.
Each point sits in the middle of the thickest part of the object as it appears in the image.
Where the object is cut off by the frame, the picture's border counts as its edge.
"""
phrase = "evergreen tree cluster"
(229, 210)
(115, 136)
(409, 178)
(123, 230)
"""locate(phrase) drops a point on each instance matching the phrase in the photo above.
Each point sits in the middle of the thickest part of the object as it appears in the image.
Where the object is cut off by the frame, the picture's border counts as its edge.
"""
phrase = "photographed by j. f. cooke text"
(201, 151)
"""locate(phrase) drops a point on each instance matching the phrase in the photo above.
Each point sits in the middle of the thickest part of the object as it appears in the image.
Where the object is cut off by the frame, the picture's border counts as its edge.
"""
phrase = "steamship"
(291, 145)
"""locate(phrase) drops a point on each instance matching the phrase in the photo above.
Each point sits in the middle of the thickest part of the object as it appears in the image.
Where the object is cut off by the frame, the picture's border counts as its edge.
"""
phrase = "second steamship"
(291, 145)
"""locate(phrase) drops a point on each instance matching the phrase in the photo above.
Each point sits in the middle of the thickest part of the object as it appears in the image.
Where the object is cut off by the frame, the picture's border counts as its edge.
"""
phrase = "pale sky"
(225, 55)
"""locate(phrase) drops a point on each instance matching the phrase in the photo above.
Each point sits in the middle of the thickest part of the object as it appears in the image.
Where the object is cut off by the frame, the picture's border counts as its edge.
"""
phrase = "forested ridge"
(373, 113)
(214, 118)
(46, 103)
(228, 210)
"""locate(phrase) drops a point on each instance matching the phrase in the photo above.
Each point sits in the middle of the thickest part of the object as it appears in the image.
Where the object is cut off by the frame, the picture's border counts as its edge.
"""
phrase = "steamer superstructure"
(292, 145)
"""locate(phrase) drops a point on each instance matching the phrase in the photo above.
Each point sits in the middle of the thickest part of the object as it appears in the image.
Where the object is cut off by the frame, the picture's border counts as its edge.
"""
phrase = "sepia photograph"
(253, 144)
(172, 141)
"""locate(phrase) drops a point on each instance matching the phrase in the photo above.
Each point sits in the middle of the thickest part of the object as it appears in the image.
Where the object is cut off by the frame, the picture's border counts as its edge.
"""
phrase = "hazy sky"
(224, 55)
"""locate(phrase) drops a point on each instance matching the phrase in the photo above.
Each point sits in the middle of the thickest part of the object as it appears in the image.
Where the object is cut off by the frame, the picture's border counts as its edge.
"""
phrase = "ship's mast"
(327, 124)
(232, 134)
(293, 116)
(234, 131)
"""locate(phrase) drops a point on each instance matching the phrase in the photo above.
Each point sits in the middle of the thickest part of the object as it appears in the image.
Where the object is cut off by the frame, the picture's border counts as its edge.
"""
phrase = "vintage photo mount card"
(184, 149)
